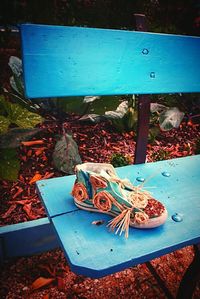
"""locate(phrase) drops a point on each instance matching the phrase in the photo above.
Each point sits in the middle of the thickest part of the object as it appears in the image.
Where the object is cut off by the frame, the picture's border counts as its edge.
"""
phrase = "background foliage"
(179, 16)
(19, 116)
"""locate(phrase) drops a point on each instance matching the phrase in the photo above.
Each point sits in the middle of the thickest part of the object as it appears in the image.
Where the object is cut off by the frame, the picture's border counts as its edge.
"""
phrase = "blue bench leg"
(191, 276)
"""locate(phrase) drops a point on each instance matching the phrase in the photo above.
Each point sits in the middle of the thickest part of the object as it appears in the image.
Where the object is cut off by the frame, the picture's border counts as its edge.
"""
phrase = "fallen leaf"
(46, 296)
(35, 178)
(41, 282)
(66, 154)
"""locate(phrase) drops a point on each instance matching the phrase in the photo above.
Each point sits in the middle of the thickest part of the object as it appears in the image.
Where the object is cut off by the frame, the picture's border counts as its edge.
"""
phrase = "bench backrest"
(72, 61)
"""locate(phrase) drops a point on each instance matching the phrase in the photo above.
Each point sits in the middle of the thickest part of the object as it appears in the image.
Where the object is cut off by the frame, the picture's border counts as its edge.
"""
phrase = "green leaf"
(118, 160)
(2, 105)
(26, 103)
(130, 119)
(22, 117)
(17, 84)
(171, 118)
(153, 133)
(4, 124)
(119, 124)
(119, 112)
(66, 155)
(90, 99)
(15, 64)
(15, 136)
(9, 164)
(156, 107)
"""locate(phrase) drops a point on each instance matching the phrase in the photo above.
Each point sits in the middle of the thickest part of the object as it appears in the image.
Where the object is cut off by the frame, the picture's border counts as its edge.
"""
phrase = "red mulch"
(47, 275)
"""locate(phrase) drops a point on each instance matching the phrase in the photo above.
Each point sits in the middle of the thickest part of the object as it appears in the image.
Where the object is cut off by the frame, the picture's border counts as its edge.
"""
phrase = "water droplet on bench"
(177, 217)
(140, 179)
(152, 75)
(166, 174)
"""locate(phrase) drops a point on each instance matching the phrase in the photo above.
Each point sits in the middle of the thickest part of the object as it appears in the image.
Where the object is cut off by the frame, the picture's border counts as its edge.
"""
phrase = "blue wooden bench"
(70, 61)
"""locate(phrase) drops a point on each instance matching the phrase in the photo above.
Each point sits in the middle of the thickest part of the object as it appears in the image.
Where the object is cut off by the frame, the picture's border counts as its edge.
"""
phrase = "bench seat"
(93, 251)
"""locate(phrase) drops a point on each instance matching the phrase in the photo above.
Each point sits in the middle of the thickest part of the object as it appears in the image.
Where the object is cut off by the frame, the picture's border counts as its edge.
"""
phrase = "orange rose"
(97, 182)
(79, 192)
(141, 217)
(103, 201)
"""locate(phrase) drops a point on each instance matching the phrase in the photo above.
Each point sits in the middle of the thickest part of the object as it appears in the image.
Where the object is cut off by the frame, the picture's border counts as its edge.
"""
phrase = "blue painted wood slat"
(94, 251)
(27, 238)
(69, 61)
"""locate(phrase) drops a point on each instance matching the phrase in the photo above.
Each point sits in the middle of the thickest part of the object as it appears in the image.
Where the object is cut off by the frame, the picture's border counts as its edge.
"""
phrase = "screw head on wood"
(145, 51)
(152, 75)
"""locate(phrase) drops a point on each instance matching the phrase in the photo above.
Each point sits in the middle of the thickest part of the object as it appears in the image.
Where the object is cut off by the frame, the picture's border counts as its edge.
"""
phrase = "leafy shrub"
(12, 113)
(17, 122)
(160, 155)
(124, 118)
(118, 160)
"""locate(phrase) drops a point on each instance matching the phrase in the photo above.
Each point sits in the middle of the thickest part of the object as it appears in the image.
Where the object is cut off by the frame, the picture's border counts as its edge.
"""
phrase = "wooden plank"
(27, 238)
(66, 61)
(55, 193)
(94, 251)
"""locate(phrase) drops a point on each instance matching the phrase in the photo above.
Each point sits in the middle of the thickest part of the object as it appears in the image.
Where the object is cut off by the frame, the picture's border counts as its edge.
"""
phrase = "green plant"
(118, 160)
(124, 118)
(17, 122)
(9, 165)
(163, 118)
(16, 94)
(160, 155)
(11, 113)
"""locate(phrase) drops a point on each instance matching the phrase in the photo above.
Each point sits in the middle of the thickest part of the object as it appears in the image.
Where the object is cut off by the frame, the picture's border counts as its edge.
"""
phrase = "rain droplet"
(166, 174)
(140, 179)
(177, 217)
